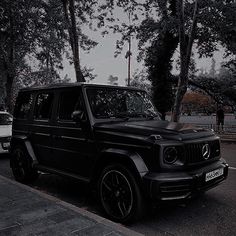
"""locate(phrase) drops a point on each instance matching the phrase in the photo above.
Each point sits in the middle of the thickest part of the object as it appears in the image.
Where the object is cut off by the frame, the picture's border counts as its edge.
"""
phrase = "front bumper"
(183, 185)
(5, 142)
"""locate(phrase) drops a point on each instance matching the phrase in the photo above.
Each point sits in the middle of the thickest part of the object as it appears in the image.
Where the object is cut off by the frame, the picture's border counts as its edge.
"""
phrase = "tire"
(120, 195)
(21, 165)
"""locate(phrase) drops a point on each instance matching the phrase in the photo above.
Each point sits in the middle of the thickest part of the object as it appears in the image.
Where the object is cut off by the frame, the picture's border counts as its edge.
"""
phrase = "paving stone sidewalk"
(26, 211)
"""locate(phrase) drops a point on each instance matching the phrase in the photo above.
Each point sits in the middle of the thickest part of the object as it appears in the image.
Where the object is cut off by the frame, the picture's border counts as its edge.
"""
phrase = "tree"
(187, 22)
(222, 87)
(113, 80)
(158, 63)
(186, 44)
(76, 13)
(198, 102)
(28, 29)
(140, 81)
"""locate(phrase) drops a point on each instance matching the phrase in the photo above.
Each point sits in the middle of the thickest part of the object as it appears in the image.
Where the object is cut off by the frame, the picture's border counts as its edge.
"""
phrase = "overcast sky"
(102, 60)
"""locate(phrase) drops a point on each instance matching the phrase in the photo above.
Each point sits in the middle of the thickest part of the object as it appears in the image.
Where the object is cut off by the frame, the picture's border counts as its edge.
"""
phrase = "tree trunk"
(69, 11)
(9, 65)
(186, 43)
(160, 71)
(182, 88)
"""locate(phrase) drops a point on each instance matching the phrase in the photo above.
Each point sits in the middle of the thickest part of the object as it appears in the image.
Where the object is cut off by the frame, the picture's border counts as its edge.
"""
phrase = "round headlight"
(170, 155)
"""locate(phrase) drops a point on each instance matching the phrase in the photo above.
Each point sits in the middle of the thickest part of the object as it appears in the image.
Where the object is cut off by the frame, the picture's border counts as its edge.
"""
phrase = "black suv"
(113, 138)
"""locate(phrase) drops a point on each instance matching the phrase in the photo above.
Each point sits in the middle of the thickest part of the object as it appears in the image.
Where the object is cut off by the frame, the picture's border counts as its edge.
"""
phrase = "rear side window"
(43, 106)
(23, 105)
(69, 101)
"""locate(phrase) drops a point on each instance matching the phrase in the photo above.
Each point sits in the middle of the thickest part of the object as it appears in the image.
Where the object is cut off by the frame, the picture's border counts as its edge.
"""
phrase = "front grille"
(193, 151)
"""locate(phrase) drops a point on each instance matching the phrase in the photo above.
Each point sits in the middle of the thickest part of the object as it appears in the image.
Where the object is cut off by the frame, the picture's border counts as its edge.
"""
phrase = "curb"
(116, 226)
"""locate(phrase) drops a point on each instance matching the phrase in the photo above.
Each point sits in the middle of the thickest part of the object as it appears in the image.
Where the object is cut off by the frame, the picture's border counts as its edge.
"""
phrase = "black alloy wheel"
(21, 166)
(120, 194)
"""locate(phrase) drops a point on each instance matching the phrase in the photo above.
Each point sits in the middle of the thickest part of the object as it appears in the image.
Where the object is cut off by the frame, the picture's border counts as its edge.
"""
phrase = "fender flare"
(133, 157)
(23, 140)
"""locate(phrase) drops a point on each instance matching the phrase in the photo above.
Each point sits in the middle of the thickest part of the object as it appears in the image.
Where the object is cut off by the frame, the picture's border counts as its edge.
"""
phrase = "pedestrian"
(220, 116)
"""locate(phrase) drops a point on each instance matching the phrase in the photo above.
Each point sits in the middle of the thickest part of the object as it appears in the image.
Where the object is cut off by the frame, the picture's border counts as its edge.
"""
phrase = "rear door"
(40, 128)
(72, 145)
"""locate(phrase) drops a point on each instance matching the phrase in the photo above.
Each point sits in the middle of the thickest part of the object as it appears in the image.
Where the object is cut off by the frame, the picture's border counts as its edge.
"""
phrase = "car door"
(40, 128)
(72, 142)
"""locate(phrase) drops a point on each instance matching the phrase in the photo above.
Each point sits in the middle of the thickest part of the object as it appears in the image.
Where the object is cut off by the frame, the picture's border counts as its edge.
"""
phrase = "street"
(212, 213)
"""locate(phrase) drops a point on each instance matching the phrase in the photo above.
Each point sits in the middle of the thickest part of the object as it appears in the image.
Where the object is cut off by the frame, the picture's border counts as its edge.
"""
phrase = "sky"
(102, 59)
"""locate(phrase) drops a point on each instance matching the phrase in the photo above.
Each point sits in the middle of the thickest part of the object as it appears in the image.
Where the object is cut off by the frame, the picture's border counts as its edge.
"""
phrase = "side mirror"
(77, 116)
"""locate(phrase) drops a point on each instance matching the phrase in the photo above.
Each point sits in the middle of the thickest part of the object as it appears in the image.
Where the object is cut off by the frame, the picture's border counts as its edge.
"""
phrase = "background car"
(5, 129)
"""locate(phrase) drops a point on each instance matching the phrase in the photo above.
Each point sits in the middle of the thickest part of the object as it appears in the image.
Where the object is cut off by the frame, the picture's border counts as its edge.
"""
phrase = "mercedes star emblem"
(206, 151)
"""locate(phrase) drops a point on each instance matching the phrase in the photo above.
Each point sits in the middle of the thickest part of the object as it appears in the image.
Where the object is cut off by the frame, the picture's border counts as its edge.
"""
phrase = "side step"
(60, 172)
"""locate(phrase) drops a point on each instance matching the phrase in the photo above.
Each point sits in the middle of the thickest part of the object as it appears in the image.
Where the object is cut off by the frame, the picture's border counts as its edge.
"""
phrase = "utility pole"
(128, 54)
(129, 60)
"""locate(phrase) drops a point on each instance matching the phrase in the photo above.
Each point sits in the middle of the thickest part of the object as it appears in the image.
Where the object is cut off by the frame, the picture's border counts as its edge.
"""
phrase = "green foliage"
(113, 80)
(88, 74)
(139, 80)
(221, 87)
(158, 63)
(31, 38)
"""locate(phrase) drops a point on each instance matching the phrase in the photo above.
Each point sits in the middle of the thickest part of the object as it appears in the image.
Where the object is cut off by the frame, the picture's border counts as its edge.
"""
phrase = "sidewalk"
(26, 211)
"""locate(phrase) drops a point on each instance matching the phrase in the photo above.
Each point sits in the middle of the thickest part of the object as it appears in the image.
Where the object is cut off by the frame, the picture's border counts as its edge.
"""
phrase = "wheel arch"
(131, 160)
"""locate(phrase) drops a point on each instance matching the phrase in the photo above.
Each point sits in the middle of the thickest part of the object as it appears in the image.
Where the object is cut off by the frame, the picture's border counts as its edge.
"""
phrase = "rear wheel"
(21, 165)
(120, 194)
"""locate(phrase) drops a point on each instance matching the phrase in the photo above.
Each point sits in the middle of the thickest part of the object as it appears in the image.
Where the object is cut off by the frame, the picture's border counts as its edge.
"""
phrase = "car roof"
(77, 84)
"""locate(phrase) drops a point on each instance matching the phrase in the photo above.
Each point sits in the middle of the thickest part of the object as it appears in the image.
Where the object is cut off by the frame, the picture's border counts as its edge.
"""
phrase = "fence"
(227, 128)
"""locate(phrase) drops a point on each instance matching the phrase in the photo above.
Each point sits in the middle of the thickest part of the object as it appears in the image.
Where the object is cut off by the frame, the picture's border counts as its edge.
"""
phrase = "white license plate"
(214, 174)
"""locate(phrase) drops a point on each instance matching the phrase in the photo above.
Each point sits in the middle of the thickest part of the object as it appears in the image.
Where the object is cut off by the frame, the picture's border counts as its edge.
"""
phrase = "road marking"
(232, 168)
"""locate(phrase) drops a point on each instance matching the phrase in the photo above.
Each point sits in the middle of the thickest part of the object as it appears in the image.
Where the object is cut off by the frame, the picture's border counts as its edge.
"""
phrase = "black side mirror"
(77, 116)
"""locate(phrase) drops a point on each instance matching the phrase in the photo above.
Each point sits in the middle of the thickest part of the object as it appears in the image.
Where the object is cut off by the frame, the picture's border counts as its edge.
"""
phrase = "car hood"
(150, 128)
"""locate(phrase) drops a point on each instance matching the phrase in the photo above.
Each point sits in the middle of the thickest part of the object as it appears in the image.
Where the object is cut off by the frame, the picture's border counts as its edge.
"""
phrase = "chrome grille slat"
(193, 151)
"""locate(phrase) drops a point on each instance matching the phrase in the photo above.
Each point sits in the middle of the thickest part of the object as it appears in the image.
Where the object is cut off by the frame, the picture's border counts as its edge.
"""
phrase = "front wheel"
(21, 165)
(120, 194)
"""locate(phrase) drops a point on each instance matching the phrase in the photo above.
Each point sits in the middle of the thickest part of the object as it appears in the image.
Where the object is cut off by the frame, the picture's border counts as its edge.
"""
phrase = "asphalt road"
(212, 213)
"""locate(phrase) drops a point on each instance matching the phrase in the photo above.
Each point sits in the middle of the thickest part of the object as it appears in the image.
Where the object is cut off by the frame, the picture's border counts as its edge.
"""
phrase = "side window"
(43, 106)
(23, 105)
(69, 101)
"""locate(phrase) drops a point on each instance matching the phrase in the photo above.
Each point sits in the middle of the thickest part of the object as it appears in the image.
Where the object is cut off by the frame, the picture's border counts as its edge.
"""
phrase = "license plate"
(214, 174)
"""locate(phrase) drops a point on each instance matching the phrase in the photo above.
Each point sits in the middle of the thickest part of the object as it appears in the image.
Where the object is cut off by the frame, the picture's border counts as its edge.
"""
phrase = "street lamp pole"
(128, 55)
(129, 60)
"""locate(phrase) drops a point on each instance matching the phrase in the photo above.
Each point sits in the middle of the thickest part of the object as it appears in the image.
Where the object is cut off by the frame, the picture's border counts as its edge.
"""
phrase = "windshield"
(120, 103)
(5, 119)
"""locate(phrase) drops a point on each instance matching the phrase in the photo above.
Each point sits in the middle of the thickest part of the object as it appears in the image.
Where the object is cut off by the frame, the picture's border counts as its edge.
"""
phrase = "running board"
(60, 172)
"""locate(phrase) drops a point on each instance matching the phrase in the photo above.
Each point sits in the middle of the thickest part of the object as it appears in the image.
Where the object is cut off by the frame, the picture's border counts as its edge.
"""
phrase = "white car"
(5, 129)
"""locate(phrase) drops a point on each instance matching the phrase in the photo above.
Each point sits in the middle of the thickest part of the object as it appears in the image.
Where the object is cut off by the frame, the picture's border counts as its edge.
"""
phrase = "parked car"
(5, 129)
(112, 137)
